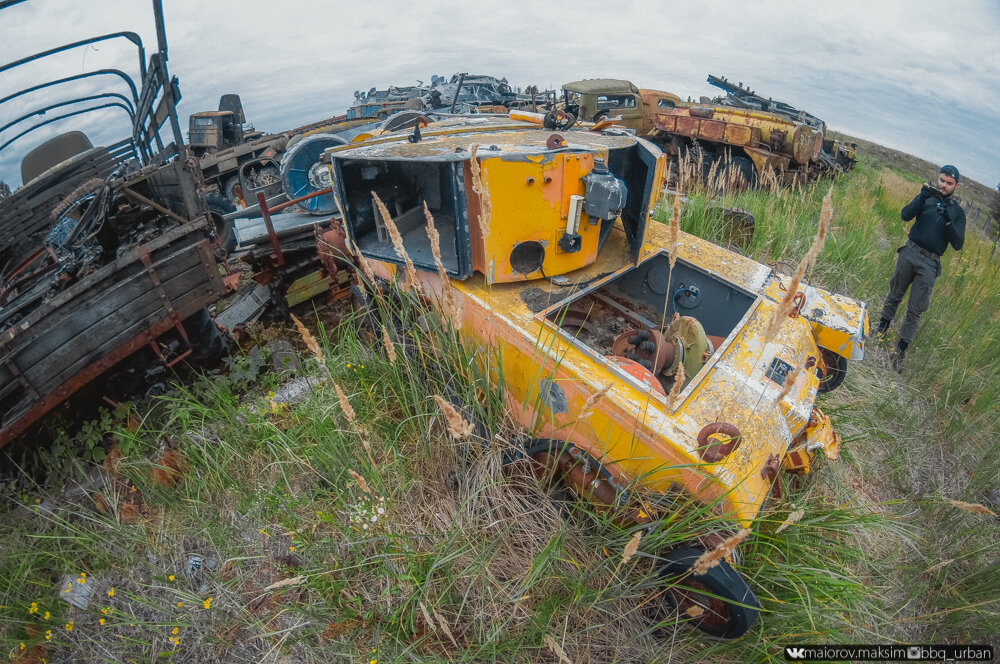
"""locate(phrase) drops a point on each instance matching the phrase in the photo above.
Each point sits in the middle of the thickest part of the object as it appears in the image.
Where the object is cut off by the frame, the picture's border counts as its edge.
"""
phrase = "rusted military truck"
(128, 259)
(743, 132)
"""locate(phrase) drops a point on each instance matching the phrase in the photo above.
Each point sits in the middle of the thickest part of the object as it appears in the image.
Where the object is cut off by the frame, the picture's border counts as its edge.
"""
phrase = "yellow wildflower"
(69, 626)
(291, 548)
(170, 578)
(48, 634)
(46, 616)
(175, 630)
(100, 620)
(180, 604)
(111, 592)
(33, 608)
(207, 603)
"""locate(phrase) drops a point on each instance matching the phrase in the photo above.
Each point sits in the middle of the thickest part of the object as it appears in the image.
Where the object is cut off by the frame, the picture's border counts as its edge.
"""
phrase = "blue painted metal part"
(302, 173)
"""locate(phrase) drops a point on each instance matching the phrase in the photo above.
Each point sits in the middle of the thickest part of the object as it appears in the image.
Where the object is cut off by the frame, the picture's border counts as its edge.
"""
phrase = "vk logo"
(795, 653)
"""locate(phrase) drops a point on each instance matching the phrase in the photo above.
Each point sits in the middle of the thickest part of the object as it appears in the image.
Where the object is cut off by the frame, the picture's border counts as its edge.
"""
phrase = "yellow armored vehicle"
(636, 360)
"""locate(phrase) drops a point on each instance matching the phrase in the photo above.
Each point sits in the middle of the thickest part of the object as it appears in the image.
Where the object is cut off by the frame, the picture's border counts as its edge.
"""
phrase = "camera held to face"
(931, 190)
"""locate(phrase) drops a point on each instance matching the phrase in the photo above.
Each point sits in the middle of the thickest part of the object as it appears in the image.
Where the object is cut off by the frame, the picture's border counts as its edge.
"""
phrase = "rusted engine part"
(588, 479)
(683, 343)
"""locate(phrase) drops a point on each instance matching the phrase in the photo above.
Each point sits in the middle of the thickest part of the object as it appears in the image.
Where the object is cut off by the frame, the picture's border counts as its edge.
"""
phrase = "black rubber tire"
(229, 190)
(208, 343)
(739, 605)
(88, 187)
(836, 371)
(745, 167)
(219, 206)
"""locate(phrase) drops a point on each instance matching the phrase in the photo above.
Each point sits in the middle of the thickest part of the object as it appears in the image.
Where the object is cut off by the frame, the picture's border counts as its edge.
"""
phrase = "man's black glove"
(943, 209)
(928, 191)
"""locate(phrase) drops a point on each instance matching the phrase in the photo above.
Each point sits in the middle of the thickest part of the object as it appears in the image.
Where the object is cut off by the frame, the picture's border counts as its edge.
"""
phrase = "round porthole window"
(527, 257)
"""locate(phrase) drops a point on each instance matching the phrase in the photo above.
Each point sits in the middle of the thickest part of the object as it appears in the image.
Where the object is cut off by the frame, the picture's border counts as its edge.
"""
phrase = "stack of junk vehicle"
(461, 94)
(277, 236)
(742, 130)
(643, 369)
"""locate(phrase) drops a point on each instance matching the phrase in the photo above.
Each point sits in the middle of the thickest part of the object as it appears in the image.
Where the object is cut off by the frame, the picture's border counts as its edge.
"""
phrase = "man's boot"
(896, 357)
(883, 328)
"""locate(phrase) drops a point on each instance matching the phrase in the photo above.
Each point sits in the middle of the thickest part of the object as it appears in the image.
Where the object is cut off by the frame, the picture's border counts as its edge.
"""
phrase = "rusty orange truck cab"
(556, 271)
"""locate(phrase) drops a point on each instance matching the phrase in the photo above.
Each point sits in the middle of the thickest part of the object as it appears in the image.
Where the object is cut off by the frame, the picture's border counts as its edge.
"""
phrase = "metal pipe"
(41, 111)
(275, 243)
(254, 209)
(282, 206)
(99, 72)
(62, 117)
(461, 79)
(131, 36)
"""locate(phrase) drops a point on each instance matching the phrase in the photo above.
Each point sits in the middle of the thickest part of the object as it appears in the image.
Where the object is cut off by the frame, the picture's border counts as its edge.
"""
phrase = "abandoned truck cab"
(649, 361)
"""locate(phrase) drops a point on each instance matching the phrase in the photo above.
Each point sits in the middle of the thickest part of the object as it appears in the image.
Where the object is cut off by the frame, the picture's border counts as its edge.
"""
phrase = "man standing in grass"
(940, 222)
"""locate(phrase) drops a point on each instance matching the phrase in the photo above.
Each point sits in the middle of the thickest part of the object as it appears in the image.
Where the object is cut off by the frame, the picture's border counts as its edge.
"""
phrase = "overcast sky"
(919, 76)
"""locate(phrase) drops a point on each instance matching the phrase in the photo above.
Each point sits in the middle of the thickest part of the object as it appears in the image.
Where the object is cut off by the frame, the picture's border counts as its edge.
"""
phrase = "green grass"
(469, 561)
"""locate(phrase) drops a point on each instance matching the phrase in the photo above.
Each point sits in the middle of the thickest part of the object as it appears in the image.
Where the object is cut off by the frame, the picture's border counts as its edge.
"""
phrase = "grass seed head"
(794, 517)
(397, 244)
(710, 559)
(390, 349)
(557, 650)
(485, 205)
(309, 339)
(443, 624)
(345, 405)
(360, 481)
(789, 383)
(974, 508)
(632, 547)
(369, 273)
(593, 400)
(435, 238)
(457, 427)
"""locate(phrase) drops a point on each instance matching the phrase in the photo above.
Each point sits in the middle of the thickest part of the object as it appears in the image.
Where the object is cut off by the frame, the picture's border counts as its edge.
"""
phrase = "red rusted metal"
(279, 258)
(717, 440)
(147, 261)
(80, 379)
(770, 472)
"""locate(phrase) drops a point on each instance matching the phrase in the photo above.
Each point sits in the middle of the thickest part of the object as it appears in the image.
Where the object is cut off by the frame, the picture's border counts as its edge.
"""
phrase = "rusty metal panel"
(687, 125)
(666, 122)
(712, 130)
(738, 135)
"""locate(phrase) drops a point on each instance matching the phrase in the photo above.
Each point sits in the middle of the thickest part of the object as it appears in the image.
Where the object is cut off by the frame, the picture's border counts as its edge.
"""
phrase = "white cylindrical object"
(575, 210)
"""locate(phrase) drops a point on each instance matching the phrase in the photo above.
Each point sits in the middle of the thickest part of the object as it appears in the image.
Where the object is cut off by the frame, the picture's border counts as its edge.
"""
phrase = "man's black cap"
(951, 172)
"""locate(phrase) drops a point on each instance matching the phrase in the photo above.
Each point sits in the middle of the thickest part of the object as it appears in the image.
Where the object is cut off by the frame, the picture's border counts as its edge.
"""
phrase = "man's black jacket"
(940, 221)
